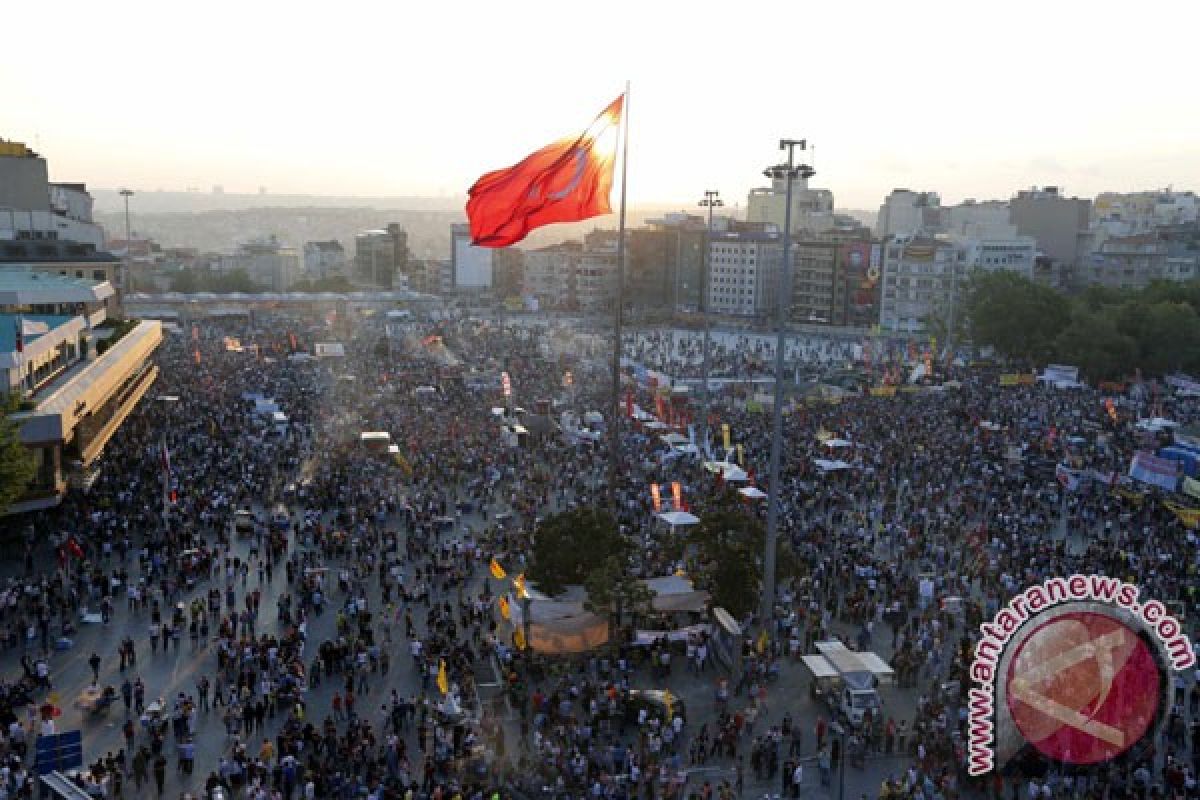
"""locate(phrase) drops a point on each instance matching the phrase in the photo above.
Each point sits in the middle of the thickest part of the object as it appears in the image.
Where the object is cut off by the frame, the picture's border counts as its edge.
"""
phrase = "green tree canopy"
(568, 546)
(1018, 317)
(17, 466)
(1093, 343)
(728, 544)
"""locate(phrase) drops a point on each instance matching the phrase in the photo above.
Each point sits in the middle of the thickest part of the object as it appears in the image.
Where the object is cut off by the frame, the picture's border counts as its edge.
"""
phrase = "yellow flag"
(519, 585)
(669, 702)
(497, 571)
(1190, 517)
(519, 638)
(741, 456)
(763, 641)
(505, 611)
(725, 435)
(443, 682)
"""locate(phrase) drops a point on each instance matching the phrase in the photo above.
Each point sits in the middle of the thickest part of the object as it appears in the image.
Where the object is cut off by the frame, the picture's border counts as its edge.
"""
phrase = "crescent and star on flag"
(566, 181)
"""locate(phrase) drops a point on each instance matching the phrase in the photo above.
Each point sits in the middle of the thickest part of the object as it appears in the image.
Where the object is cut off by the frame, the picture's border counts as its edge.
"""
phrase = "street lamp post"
(128, 287)
(711, 200)
(788, 171)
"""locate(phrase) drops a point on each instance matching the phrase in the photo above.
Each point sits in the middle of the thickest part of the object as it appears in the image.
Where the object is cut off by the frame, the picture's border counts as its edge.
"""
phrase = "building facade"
(381, 257)
(666, 262)
(744, 269)
(550, 273)
(324, 260)
(1060, 225)
(922, 278)
(812, 209)
(906, 213)
(75, 379)
(596, 277)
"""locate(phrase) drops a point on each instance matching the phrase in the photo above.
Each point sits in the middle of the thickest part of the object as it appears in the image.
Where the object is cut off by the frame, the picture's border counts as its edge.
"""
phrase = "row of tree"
(1107, 333)
(585, 547)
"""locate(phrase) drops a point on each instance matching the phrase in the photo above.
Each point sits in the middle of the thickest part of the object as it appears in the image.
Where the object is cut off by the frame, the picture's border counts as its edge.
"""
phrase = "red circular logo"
(1083, 687)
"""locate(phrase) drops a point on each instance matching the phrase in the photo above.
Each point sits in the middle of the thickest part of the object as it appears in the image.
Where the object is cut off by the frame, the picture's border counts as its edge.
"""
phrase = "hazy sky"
(973, 99)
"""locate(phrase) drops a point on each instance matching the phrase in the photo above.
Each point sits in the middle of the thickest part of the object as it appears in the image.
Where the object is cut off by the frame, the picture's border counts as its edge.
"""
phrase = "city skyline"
(414, 102)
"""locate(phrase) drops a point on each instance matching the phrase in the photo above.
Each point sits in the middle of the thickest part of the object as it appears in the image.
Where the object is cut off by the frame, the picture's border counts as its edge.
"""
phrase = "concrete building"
(835, 279)
(922, 278)
(812, 209)
(508, 273)
(550, 274)
(1116, 214)
(1012, 254)
(1128, 262)
(33, 208)
(907, 213)
(1059, 224)
(323, 260)
(381, 257)
(595, 279)
(744, 273)
(666, 262)
(269, 264)
(472, 266)
(75, 378)
(991, 218)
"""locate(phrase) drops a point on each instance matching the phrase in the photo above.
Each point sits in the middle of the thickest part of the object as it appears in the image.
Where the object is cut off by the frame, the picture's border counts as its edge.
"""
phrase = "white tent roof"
(736, 475)
(674, 438)
(838, 443)
(678, 518)
(753, 492)
(826, 465)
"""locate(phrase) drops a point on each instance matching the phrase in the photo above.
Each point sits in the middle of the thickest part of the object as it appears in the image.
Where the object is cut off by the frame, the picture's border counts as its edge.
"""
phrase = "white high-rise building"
(906, 213)
(744, 266)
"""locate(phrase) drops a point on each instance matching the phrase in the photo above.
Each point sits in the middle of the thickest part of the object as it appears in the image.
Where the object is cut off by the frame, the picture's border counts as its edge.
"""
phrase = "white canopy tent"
(827, 465)
(678, 519)
(752, 492)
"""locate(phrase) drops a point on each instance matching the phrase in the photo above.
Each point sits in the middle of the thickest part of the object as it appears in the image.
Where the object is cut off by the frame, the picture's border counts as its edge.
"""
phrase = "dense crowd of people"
(343, 637)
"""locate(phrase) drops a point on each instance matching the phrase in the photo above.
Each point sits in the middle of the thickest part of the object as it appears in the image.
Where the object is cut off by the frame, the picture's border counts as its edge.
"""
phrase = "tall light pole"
(128, 287)
(788, 171)
(711, 200)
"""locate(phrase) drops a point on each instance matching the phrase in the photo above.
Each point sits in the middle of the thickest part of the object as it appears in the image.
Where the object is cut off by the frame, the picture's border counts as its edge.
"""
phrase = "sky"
(970, 99)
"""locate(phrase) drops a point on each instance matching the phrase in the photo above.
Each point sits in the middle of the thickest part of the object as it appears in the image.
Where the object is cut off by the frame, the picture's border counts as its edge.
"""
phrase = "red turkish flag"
(566, 181)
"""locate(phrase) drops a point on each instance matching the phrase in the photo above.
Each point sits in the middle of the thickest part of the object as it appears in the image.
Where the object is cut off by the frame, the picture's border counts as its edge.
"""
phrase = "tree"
(17, 466)
(185, 281)
(1094, 343)
(728, 542)
(569, 545)
(612, 590)
(1017, 316)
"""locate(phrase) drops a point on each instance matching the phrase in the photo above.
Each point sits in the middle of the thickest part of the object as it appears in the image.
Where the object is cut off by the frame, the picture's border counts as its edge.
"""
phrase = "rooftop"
(9, 322)
(26, 287)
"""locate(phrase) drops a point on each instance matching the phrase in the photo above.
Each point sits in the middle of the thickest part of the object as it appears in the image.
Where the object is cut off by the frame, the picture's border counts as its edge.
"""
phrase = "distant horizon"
(419, 100)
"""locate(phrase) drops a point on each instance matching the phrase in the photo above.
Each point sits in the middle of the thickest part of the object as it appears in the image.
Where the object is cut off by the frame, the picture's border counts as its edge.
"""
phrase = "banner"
(1190, 517)
(657, 497)
(883, 391)
(1155, 471)
(677, 495)
(1009, 379)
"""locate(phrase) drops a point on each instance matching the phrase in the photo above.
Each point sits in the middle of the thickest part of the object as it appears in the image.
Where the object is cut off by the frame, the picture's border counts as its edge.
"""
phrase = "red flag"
(566, 181)
(73, 548)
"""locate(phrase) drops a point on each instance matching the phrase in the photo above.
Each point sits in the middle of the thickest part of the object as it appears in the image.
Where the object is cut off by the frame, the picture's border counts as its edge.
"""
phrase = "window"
(98, 275)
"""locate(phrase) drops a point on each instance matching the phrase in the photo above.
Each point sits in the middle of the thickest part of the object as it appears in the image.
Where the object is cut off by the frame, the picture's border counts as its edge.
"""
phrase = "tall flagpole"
(614, 442)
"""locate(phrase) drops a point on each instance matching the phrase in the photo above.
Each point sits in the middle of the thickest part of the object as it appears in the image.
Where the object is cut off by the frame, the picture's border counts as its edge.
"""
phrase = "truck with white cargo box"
(847, 680)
